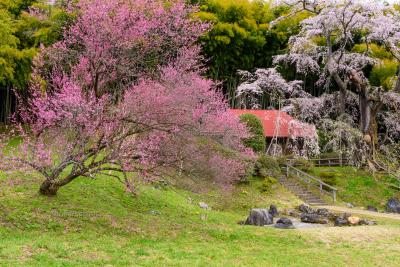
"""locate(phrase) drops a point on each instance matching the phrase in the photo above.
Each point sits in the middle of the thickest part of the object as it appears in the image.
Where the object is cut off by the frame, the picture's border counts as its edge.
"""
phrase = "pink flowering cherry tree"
(159, 126)
(113, 43)
(123, 96)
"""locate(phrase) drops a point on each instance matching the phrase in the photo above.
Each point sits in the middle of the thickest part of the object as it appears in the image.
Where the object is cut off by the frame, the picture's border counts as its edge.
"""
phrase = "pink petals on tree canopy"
(113, 43)
(122, 96)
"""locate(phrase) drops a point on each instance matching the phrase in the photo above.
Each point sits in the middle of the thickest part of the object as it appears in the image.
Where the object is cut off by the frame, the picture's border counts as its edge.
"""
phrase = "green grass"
(96, 223)
(360, 187)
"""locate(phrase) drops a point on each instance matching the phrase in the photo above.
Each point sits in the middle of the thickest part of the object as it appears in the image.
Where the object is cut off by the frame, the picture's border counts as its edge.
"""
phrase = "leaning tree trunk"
(343, 91)
(51, 185)
(49, 188)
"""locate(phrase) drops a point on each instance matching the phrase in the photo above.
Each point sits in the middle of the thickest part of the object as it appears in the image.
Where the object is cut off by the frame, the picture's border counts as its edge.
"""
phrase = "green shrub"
(328, 178)
(266, 166)
(377, 51)
(382, 74)
(303, 164)
(255, 127)
(268, 184)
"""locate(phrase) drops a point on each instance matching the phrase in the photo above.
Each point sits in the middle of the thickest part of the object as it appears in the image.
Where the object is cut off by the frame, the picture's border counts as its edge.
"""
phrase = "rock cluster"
(262, 217)
(313, 218)
(324, 216)
(349, 220)
(309, 215)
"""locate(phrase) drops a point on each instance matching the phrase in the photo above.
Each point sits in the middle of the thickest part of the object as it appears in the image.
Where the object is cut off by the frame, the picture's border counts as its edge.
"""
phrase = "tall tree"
(325, 44)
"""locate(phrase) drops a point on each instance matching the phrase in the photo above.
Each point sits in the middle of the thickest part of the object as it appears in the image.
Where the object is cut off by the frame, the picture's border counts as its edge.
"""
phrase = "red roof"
(280, 124)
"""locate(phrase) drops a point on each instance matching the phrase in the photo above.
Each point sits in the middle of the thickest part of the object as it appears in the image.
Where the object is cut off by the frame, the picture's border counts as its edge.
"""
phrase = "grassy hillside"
(359, 187)
(96, 223)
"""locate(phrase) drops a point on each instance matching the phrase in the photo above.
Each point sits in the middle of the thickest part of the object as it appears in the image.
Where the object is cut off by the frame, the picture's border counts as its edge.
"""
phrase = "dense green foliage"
(241, 38)
(267, 166)
(24, 26)
(255, 127)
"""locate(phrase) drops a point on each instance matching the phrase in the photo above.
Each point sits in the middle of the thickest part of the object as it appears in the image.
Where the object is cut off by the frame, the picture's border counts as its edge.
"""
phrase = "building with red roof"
(279, 124)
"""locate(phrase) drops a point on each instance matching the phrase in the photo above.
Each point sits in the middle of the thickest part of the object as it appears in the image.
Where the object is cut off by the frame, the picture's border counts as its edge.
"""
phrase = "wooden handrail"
(328, 161)
(307, 178)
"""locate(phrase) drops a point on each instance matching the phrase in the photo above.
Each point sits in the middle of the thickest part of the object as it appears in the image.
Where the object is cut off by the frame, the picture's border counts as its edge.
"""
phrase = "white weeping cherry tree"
(269, 82)
(326, 39)
(324, 48)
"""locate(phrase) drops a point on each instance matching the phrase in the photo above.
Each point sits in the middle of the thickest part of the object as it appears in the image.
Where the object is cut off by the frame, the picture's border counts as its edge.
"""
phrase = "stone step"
(302, 192)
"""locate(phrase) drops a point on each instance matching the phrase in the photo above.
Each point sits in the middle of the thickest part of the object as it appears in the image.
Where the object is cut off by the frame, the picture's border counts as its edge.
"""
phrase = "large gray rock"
(306, 209)
(393, 205)
(313, 218)
(323, 212)
(259, 217)
(341, 221)
(273, 210)
(284, 223)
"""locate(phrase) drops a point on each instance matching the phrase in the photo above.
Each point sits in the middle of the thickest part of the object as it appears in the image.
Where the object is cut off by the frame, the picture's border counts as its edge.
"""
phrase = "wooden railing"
(328, 162)
(312, 181)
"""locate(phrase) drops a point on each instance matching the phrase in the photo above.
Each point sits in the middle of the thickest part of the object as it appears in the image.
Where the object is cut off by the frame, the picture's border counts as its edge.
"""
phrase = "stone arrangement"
(306, 215)
(324, 216)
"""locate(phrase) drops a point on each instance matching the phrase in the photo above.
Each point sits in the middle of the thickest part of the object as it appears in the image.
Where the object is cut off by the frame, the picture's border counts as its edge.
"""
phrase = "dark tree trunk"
(49, 188)
(51, 185)
(373, 126)
(365, 111)
(343, 96)
(343, 91)
(397, 86)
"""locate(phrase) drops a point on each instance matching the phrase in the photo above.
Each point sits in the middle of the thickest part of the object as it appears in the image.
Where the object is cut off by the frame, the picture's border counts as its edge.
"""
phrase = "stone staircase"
(302, 192)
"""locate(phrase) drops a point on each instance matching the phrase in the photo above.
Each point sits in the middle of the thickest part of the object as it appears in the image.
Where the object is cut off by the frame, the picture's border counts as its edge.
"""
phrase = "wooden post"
(334, 196)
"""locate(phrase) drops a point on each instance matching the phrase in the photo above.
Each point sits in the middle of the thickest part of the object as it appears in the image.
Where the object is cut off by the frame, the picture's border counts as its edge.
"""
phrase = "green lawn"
(96, 223)
(359, 187)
